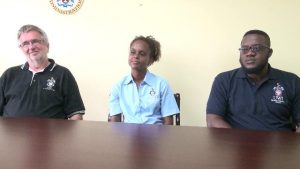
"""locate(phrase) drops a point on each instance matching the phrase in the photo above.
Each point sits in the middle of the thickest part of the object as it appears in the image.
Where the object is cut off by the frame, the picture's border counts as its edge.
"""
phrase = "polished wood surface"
(61, 144)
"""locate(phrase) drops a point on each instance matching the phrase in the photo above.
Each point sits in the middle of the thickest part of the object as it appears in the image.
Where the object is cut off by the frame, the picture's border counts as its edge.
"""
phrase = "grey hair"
(28, 28)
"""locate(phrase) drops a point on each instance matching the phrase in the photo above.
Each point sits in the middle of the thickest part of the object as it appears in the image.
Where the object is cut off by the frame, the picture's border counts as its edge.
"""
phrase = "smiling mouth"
(250, 61)
(34, 52)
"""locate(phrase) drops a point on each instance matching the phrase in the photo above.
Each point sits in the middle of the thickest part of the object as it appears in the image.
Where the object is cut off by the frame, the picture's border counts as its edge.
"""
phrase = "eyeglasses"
(254, 48)
(33, 42)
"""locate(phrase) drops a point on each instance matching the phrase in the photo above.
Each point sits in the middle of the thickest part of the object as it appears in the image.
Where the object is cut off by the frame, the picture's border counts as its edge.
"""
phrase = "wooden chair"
(176, 116)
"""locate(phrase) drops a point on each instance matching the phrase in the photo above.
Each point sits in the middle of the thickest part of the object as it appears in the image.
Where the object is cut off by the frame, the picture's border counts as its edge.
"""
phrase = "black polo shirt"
(246, 105)
(52, 93)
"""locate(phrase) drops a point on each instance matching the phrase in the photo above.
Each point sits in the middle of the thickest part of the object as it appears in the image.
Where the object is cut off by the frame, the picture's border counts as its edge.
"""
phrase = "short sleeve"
(168, 103)
(72, 101)
(296, 102)
(114, 101)
(2, 98)
(218, 98)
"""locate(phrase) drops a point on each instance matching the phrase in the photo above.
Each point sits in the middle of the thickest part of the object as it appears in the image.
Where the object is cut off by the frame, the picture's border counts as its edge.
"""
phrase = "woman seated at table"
(142, 97)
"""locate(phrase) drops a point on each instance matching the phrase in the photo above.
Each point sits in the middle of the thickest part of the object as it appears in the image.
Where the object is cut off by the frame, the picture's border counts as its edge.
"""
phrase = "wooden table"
(60, 144)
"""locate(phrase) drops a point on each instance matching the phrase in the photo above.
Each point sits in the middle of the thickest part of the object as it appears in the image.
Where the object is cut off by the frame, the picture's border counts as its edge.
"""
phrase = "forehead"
(253, 39)
(29, 35)
(140, 45)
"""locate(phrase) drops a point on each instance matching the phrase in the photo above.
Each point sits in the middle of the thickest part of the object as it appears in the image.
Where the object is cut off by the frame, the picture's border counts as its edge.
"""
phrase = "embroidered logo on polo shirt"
(152, 92)
(50, 84)
(277, 97)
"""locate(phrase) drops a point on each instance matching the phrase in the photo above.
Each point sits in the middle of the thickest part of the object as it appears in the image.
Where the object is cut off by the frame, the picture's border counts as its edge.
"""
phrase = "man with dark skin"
(255, 96)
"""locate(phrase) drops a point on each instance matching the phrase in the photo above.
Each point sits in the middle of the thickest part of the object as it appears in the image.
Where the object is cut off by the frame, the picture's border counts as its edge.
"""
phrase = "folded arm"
(168, 120)
(77, 115)
(115, 118)
(216, 121)
(298, 128)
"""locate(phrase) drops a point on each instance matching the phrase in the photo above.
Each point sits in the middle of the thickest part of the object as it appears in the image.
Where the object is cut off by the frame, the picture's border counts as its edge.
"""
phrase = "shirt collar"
(50, 67)
(271, 73)
(148, 79)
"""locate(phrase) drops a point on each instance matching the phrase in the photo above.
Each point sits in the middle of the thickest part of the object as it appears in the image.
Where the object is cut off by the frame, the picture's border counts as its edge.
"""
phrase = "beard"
(255, 70)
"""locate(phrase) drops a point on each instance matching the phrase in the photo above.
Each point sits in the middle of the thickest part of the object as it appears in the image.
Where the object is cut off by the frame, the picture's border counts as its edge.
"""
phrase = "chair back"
(177, 116)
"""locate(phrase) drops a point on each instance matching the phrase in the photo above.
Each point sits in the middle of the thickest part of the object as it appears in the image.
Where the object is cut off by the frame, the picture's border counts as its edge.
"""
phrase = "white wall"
(199, 39)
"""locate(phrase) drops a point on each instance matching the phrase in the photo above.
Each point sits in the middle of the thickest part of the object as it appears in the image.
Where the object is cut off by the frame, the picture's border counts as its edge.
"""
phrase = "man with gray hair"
(40, 87)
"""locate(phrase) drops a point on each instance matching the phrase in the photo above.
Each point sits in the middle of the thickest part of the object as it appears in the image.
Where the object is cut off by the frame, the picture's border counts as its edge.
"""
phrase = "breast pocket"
(152, 102)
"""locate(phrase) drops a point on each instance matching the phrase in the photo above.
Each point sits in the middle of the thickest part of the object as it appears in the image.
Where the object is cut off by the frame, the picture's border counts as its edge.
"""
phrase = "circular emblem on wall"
(66, 7)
